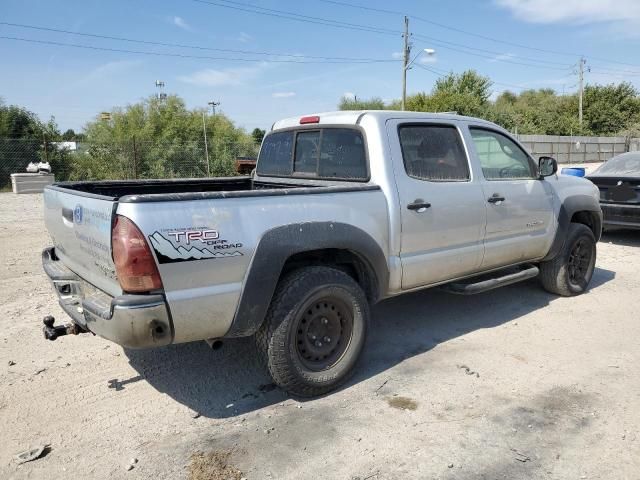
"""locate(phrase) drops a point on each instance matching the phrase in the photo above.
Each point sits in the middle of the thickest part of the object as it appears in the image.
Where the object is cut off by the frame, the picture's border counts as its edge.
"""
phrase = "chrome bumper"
(133, 321)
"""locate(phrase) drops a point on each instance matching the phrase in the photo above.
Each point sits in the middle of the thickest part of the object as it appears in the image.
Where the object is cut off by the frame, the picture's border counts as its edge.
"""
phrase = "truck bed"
(135, 191)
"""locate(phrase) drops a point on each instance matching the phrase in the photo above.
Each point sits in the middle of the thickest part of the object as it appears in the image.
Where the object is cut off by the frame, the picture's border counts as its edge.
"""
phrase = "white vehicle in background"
(345, 209)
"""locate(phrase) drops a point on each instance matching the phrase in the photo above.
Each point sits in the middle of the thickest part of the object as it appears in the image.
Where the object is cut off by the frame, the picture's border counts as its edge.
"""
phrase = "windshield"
(625, 164)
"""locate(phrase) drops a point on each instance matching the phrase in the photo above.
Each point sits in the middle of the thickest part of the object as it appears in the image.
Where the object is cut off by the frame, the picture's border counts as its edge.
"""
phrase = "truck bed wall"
(203, 294)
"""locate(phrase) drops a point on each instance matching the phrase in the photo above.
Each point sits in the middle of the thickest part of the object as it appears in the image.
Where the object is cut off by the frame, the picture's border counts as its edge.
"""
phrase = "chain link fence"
(126, 160)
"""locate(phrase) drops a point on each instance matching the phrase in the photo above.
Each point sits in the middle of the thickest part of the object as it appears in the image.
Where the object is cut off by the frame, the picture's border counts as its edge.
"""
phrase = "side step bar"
(491, 283)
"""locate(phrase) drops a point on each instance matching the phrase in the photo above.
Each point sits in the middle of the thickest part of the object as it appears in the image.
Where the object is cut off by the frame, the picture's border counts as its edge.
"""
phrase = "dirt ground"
(515, 383)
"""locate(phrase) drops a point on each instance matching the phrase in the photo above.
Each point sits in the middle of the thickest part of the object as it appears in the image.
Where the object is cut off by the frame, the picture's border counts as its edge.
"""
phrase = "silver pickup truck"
(344, 209)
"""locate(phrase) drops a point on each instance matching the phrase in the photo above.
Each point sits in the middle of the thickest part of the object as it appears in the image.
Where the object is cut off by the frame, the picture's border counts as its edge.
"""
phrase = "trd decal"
(190, 236)
(215, 248)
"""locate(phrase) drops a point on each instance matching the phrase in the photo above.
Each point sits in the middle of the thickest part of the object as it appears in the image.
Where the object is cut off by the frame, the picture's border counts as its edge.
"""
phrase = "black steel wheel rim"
(324, 328)
(579, 262)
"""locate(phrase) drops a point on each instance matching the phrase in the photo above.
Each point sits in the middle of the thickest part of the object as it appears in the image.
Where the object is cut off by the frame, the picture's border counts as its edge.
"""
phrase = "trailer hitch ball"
(52, 332)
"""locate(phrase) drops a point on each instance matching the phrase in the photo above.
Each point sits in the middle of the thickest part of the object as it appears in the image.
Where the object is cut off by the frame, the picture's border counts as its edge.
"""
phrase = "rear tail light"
(135, 266)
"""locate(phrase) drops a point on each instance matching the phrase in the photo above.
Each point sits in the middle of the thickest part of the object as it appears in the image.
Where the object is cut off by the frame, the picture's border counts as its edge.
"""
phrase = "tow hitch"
(52, 332)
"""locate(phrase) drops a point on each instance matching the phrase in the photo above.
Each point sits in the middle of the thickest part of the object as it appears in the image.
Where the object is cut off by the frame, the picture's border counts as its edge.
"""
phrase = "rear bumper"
(133, 321)
(619, 215)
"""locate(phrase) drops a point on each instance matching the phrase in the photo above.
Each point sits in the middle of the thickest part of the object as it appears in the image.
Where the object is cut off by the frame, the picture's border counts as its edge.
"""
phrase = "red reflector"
(135, 266)
(313, 119)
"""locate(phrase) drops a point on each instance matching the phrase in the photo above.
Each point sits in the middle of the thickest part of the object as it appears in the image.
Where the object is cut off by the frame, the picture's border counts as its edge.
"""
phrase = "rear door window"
(275, 154)
(434, 153)
(320, 153)
(342, 154)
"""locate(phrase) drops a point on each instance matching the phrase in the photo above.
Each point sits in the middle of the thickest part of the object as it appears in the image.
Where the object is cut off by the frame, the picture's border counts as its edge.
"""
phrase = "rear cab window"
(319, 153)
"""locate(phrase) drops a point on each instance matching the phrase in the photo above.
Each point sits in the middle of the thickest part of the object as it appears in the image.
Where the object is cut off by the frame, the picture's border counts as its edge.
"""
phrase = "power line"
(180, 55)
(445, 45)
(492, 52)
(247, 7)
(473, 34)
(251, 8)
(178, 45)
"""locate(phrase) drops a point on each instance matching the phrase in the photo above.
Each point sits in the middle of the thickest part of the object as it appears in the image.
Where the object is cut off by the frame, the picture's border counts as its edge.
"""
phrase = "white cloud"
(108, 71)
(574, 11)
(397, 55)
(283, 94)
(210, 77)
(349, 95)
(503, 56)
(426, 59)
(244, 37)
(181, 23)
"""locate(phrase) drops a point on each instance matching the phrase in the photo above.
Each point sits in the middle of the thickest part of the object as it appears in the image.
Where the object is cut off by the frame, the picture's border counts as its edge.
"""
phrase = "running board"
(491, 283)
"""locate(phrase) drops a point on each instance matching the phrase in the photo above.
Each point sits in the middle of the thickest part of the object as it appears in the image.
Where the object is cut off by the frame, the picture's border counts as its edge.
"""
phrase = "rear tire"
(570, 272)
(314, 331)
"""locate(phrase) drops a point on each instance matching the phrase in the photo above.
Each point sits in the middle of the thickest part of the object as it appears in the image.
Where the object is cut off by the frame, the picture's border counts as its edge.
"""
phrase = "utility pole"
(581, 65)
(405, 61)
(206, 149)
(213, 106)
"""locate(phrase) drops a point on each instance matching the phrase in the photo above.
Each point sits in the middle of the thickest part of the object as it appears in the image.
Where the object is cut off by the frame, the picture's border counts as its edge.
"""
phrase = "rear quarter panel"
(203, 294)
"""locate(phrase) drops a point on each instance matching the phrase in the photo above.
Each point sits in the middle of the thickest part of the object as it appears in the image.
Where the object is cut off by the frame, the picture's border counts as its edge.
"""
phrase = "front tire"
(314, 331)
(570, 272)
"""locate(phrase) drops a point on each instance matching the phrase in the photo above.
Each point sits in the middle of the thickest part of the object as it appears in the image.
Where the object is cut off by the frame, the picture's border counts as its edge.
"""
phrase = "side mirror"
(547, 166)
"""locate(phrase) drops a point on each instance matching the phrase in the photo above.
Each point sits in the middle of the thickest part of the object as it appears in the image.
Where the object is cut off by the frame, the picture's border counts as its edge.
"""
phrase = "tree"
(610, 109)
(347, 103)
(163, 138)
(70, 135)
(21, 140)
(17, 122)
(466, 84)
(258, 134)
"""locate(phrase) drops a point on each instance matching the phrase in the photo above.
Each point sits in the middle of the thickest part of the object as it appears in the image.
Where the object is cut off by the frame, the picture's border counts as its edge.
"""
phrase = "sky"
(268, 59)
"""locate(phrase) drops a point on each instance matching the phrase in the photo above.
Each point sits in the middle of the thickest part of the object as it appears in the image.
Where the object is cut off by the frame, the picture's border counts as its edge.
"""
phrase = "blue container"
(575, 171)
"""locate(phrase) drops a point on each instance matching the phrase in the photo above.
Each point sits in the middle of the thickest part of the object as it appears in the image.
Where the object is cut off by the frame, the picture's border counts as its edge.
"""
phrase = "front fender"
(569, 207)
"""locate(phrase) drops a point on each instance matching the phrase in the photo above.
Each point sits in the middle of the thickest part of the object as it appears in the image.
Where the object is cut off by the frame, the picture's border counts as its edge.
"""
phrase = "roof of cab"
(353, 117)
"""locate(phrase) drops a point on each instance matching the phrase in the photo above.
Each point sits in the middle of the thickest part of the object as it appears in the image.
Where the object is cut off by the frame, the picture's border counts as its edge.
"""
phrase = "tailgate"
(80, 227)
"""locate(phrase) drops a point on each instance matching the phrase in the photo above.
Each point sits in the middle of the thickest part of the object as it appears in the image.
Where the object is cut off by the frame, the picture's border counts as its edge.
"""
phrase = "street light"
(407, 65)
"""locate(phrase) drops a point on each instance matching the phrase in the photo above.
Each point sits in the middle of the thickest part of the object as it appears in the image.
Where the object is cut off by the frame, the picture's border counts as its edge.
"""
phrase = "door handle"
(67, 214)
(418, 205)
(496, 198)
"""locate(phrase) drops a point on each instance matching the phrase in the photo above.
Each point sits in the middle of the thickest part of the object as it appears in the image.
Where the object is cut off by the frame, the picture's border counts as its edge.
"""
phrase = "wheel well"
(590, 219)
(346, 260)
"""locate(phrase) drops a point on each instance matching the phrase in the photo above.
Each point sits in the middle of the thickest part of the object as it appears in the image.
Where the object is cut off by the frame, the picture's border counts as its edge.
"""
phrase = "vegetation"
(162, 138)
(607, 109)
(23, 140)
(150, 139)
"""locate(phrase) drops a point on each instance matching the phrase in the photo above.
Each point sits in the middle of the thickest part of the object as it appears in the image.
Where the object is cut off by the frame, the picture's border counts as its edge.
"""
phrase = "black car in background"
(619, 182)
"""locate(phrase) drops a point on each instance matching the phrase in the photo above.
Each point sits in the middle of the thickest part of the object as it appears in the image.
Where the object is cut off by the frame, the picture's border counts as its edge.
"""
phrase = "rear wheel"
(570, 272)
(314, 331)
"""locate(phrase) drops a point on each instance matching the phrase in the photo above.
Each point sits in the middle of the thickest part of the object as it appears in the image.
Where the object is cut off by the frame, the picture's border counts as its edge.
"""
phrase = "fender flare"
(570, 206)
(277, 245)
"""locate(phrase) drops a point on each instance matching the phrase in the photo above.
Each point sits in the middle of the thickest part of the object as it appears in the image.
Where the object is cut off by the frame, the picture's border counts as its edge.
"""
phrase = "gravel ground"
(515, 383)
